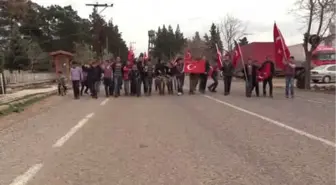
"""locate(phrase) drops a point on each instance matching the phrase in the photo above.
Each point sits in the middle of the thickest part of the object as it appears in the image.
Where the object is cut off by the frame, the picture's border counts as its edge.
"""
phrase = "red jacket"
(126, 71)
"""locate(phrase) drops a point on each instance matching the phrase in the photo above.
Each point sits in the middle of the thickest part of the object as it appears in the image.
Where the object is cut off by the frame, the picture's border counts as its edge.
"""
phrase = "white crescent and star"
(191, 67)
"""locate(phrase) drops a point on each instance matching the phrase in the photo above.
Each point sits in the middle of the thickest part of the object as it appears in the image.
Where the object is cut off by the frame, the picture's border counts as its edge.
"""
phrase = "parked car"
(324, 73)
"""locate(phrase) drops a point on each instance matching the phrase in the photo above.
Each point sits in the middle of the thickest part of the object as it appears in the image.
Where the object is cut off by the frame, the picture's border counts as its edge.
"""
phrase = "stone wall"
(27, 77)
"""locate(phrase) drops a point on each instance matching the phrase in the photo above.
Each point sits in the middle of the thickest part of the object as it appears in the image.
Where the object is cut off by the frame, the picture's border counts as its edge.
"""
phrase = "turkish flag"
(195, 67)
(187, 56)
(281, 51)
(237, 54)
(265, 72)
(219, 57)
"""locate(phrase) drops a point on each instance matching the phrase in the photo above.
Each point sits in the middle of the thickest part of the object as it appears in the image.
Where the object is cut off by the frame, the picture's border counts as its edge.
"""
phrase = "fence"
(27, 77)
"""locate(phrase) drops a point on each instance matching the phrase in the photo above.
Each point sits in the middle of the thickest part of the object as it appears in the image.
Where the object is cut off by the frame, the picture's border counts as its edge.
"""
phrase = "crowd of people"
(139, 76)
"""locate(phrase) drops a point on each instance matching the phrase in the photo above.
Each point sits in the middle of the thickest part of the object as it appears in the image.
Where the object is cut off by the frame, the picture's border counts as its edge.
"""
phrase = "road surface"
(189, 140)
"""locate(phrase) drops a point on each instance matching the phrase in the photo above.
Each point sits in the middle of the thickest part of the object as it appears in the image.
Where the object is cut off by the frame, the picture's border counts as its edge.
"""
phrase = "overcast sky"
(136, 17)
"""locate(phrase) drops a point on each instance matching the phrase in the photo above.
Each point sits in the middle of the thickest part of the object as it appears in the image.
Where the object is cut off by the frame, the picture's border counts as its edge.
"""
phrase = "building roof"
(61, 52)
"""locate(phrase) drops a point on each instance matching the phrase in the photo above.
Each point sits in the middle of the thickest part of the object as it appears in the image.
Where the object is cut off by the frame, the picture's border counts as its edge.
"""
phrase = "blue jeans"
(117, 84)
(289, 85)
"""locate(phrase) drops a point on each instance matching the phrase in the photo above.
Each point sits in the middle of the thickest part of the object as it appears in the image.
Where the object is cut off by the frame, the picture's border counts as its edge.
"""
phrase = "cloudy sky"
(136, 17)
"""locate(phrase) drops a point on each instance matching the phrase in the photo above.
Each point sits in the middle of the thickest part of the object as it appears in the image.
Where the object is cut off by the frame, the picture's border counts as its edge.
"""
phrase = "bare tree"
(231, 28)
(197, 45)
(318, 16)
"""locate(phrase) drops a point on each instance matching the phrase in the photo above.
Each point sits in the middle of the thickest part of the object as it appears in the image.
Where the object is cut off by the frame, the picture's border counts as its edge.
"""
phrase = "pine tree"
(17, 58)
(215, 39)
(180, 40)
(97, 31)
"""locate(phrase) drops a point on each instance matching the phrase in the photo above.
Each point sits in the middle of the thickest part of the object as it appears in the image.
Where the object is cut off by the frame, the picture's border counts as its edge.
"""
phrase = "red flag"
(281, 50)
(130, 56)
(237, 54)
(196, 67)
(187, 56)
(145, 56)
(265, 72)
(219, 57)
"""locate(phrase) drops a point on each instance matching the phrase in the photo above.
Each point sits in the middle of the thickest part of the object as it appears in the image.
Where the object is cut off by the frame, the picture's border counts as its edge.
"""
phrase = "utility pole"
(95, 7)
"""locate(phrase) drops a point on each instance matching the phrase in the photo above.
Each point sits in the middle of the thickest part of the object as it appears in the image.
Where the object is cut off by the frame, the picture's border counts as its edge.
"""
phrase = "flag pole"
(220, 60)
(242, 59)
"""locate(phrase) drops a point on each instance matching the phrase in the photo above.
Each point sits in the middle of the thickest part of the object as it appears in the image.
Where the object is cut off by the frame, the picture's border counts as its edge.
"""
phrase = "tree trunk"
(307, 70)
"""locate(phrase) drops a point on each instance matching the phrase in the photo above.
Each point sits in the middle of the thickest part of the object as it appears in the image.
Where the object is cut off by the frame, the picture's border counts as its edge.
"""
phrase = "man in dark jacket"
(148, 76)
(179, 76)
(94, 77)
(268, 80)
(141, 67)
(251, 71)
(204, 77)
(214, 76)
(227, 70)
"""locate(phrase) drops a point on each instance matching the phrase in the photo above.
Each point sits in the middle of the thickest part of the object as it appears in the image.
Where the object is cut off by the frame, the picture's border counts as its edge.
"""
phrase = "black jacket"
(94, 73)
(254, 71)
(134, 74)
(160, 69)
(140, 66)
(227, 68)
(207, 69)
(272, 67)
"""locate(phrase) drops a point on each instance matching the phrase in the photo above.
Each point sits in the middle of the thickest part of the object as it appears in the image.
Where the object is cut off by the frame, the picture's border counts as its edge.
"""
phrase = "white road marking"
(277, 123)
(89, 115)
(72, 131)
(314, 101)
(104, 102)
(29, 174)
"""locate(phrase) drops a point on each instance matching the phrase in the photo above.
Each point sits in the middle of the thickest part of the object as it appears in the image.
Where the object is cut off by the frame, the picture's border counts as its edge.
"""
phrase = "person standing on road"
(227, 70)
(179, 76)
(135, 81)
(214, 75)
(251, 83)
(193, 81)
(289, 76)
(84, 83)
(141, 67)
(269, 79)
(107, 68)
(76, 77)
(159, 73)
(148, 76)
(94, 77)
(117, 76)
(126, 77)
(204, 77)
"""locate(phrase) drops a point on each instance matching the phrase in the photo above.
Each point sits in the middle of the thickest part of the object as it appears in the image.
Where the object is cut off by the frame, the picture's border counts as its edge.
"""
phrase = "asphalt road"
(189, 140)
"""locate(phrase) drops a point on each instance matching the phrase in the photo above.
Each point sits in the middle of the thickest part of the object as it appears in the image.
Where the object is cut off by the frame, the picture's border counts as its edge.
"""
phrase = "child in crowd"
(61, 84)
